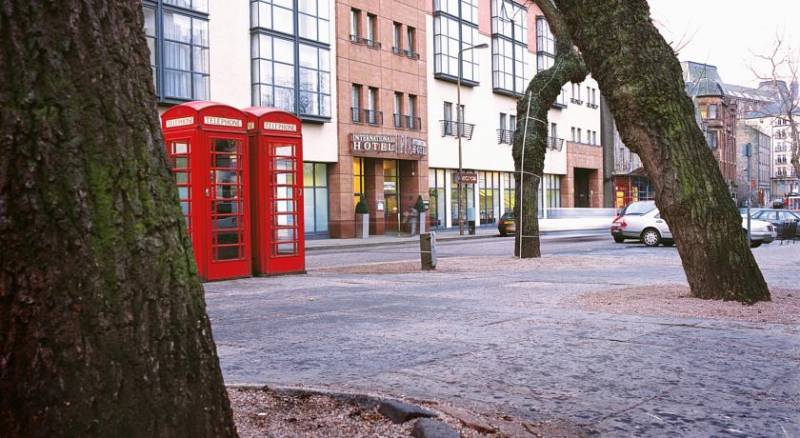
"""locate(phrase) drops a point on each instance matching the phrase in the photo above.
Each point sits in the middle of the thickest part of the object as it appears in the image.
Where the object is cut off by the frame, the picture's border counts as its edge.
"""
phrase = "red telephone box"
(207, 146)
(276, 147)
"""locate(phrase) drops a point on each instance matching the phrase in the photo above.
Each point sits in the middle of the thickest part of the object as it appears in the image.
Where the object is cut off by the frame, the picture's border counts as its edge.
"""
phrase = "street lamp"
(459, 115)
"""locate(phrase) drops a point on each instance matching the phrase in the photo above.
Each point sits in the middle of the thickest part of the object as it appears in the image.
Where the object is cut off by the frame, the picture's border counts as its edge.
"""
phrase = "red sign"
(466, 178)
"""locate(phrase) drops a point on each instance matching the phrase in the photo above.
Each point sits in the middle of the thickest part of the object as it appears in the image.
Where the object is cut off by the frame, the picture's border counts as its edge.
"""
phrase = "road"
(485, 337)
(560, 243)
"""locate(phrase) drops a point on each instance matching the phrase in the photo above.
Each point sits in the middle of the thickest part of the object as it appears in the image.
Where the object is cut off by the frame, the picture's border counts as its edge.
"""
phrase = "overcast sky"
(725, 32)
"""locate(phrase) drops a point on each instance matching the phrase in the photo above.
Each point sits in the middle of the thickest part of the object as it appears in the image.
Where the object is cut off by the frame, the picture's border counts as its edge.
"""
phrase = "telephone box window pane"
(284, 234)
(228, 192)
(284, 220)
(284, 178)
(227, 237)
(181, 163)
(283, 164)
(183, 192)
(284, 151)
(226, 177)
(229, 161)
(284, 206)
(185, 208)
(285, 248)
(226, 208)
(227, 223)
(180, 148)
(284, 192)
(182, 177)
(228, 252)
(222, 146)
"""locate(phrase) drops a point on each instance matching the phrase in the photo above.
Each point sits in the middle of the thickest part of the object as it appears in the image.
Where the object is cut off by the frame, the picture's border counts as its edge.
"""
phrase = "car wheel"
(650, 237)
(619, 239)
(755, 243)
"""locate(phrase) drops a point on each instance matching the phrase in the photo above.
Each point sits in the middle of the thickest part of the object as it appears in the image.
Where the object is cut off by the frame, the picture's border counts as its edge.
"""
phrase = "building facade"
(754, 172)
(519, 43)
(375, 86)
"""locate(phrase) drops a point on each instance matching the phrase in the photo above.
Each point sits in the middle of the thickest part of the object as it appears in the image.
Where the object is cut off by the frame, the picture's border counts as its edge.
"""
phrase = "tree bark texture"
(103, 327)
(642, 81)
(542, 91)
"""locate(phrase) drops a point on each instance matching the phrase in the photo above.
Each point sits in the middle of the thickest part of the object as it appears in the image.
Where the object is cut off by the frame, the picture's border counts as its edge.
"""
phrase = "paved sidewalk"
(546, 226)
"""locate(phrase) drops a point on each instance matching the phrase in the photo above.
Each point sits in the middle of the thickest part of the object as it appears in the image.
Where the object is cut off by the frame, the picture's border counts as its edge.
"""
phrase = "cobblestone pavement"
(504, 340)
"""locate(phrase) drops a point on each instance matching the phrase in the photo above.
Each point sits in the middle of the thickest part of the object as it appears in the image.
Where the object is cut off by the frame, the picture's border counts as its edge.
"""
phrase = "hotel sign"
(398, 146)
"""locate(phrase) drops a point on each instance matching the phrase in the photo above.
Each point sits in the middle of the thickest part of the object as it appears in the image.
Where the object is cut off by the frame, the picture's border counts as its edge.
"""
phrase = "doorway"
(391, 190)
(582, 193)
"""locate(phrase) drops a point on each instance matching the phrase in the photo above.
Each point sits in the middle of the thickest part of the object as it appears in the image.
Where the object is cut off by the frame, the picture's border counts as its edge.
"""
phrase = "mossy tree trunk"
(103, 327)
(643, 84)
(541, 94)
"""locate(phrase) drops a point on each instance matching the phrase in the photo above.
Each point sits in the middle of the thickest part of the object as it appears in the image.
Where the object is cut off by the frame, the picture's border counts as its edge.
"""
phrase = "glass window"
(315, 190)
(545, 45)
(291, 68)
(509, 46)
(455, 25)
(355, 23)
(411, 40)
(179, 49)
(397, 31)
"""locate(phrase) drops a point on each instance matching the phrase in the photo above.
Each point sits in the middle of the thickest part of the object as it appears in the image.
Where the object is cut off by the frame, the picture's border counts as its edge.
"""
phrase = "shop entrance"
(391, 191)
(582, 194)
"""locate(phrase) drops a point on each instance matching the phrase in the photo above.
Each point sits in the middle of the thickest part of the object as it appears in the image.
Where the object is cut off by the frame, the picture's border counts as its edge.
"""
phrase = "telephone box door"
(286, 252)
(227, 207)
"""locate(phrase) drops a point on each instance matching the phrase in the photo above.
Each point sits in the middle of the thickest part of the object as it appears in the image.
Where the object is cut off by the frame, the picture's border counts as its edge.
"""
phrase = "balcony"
(576, 101)
(457, 129)
(412, 123)
(362, 41)
(555, 144)
(592, 105)
(411, 54)
(372, 117)
(505, 136)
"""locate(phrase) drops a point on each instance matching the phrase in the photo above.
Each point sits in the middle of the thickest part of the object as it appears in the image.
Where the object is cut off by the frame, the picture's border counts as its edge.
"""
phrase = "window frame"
(460, 19)
(160, 7)
(323, 92)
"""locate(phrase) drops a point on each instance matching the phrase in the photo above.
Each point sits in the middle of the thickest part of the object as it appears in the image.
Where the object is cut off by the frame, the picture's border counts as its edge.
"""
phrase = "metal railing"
(357, 39)
(505, 136)
(373, 117)
(457, 129)
(554, 143)
(412, 123)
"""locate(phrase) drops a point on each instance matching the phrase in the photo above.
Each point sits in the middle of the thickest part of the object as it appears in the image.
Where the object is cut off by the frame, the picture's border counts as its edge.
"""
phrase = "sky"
(727, 33)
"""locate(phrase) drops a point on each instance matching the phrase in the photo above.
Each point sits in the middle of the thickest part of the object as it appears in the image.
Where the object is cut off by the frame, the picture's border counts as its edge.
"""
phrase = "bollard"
(427, 251)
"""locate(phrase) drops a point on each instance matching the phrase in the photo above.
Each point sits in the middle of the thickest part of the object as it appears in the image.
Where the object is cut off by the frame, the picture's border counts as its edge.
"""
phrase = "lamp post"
(459, 122)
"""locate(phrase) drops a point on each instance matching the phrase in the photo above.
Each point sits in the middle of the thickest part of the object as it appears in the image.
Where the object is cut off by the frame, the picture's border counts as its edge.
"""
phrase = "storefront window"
(438, 198)
(489, 196)
(469, 195)
(509, 192)
(315, 191)
(553, 188)
(358, 179)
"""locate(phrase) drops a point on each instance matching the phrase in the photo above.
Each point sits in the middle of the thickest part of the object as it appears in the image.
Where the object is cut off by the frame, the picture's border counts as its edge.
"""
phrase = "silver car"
(642, 221)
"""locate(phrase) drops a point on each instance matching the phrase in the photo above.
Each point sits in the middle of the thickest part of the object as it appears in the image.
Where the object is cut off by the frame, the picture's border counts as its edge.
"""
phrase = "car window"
(787, 216)
(638, 208)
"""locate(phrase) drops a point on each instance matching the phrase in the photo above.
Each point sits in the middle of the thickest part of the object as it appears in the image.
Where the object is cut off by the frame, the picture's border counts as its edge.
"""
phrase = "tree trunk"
(643, 84)
(540, 95)
(103, 328)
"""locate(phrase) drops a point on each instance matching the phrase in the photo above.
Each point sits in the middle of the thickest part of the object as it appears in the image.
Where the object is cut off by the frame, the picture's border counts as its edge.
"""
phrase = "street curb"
(455, 238)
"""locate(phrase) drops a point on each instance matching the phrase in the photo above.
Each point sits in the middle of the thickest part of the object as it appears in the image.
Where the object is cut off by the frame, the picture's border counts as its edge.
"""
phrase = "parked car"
(507, 224)
(642, 221)
(777, 217)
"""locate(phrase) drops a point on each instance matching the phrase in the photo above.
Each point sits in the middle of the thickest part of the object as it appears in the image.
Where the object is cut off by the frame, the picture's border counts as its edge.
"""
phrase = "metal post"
(460, 162)
(748, 153)
(522, 173)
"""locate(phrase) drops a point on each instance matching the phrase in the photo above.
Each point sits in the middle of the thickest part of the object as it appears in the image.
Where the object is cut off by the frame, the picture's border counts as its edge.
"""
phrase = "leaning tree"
(643, 85)
(103, 327)
(531, 140)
